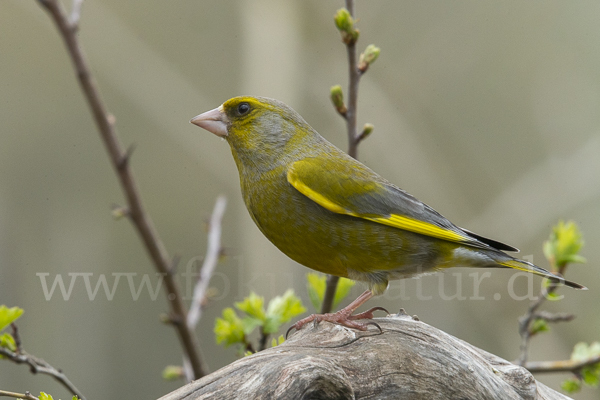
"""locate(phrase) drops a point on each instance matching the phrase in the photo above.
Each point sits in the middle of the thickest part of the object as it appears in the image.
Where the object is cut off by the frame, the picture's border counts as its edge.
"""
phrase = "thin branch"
(526, 320)
(353, 141)
(208, 266)
(188, 373)
(262, 341)
(330, 289)
(525, 323)
(75, 13)
(25, 396)
(210, 262)
(248, 346)
(119, 159)
(174, 264)
(17, 337)
(39, 366)
(353, 79)
(560, 366)
(554, 317)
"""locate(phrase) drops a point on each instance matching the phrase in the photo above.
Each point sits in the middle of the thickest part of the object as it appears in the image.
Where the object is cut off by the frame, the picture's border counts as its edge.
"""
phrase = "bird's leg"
(343, 317)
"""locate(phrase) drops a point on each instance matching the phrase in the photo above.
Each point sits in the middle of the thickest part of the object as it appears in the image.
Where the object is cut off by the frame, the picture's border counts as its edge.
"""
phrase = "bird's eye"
(243, 108)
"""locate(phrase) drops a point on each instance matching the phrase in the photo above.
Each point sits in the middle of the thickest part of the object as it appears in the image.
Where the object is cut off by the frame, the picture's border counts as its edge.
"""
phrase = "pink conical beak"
(214, 121)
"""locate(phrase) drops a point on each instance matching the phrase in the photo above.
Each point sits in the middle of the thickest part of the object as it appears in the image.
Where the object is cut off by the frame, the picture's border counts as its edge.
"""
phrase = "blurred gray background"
(487, 111)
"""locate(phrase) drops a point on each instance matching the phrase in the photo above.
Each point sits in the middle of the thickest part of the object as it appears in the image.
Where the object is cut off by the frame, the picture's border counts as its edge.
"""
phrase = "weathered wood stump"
(408, 360)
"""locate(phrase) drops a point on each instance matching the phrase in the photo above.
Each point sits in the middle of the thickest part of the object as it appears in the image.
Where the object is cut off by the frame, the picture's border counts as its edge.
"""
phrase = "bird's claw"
(368, 314)
(289, 330)
(376, 325)
(298, 325)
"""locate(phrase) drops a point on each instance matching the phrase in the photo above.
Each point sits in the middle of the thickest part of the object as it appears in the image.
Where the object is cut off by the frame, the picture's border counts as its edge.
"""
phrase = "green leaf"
(251, 323)
(8, 342)
(278, 341)
(571, 385)
(229, 329)
(281, 309)
(564, 244)
(591, 375)
(285, 307)
(316, 284)
(553, 296)
(44, 396)
(344, 286)
(253, 305)
(576, 258)
(9, 315)
(582, 352)
(173, 373)
(272, 325)
(539, 325)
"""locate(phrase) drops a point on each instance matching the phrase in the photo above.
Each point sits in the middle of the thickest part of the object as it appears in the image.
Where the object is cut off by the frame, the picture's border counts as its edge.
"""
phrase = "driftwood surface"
(409, 360)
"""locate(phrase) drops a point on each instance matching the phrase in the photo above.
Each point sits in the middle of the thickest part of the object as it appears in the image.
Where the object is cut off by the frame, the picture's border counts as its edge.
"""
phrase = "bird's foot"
(343, 317)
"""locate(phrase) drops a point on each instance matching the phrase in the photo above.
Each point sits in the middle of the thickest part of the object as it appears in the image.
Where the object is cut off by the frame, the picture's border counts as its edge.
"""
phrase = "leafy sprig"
(234, 329)
(588, 375)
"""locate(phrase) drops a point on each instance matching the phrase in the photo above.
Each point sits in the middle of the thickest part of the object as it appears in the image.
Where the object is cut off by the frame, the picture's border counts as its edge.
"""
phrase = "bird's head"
(257, 128)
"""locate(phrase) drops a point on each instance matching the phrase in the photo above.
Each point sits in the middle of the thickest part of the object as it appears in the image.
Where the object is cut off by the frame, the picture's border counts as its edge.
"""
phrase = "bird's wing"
(348, 187)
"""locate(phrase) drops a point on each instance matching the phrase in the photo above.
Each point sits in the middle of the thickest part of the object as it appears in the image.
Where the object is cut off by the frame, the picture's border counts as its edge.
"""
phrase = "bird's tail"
(534, 269)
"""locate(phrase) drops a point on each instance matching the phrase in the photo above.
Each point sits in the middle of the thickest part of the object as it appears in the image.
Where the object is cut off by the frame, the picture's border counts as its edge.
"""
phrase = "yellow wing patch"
(315, 196)
(394, 220)
(424, 228)
(515, 264)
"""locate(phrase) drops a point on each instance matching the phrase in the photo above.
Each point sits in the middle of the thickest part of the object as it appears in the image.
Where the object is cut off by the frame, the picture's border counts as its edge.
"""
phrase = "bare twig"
(353, 79)
(75, 13)
(39, 366)
(554, 317)
(525, 323)
(17, 337)
(560, 366)
(248, 346)
(353, 140)
(174, 264)
(188, 373)
(140, 219)
(262, 341)
(26, 395)
(526, 320)
(330, 289)
(210, 262)
(208, 266)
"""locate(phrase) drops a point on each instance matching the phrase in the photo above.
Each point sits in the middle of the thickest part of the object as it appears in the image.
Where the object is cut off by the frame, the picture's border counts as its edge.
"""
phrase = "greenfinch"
(329, 212)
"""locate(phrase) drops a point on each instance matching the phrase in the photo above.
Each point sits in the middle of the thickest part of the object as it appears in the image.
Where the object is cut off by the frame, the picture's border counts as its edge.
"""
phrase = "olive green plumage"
(333, 214)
